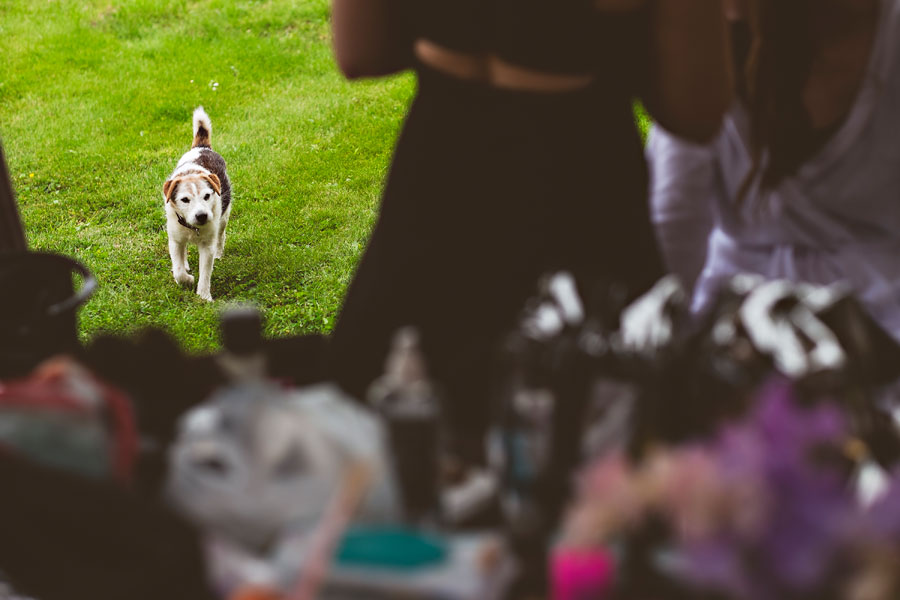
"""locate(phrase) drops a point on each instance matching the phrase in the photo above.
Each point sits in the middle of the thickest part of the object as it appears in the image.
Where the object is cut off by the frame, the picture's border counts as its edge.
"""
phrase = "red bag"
(63, 416)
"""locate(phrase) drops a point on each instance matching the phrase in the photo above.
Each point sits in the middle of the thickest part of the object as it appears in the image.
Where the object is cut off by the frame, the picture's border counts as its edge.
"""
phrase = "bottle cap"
(241, 330)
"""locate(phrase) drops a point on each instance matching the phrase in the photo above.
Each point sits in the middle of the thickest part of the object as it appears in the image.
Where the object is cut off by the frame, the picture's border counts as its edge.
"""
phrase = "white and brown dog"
(198, 202)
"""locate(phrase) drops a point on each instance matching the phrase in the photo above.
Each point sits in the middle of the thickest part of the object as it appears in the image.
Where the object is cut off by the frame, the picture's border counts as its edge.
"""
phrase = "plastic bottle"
(242, 358)
(411, 407)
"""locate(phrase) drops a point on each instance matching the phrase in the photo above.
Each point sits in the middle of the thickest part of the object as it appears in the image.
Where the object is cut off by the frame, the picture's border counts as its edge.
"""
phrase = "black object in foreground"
(38, 308)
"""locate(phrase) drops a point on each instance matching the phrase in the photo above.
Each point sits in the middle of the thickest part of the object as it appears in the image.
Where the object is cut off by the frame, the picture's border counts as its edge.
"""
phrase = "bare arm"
(688, 86)
(369, 38)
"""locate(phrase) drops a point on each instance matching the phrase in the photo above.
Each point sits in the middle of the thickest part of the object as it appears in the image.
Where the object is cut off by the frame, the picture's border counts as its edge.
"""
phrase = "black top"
(558, 36)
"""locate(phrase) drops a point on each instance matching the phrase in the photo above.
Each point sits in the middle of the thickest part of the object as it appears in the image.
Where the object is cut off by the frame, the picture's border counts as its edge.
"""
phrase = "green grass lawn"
(95, 108)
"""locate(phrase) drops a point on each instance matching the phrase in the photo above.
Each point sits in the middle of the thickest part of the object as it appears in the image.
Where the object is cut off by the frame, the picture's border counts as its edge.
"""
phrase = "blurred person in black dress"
(519, 155)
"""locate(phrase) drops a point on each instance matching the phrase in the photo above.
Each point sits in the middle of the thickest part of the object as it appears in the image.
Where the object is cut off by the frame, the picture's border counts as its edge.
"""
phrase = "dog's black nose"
(201, 218)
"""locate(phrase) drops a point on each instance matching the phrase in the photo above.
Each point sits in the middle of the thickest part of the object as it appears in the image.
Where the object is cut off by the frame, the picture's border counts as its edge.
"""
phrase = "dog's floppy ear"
(169, 188)
(213, 180)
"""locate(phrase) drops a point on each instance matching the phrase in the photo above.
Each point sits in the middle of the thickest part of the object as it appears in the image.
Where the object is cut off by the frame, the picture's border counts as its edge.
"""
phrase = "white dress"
(837, 219)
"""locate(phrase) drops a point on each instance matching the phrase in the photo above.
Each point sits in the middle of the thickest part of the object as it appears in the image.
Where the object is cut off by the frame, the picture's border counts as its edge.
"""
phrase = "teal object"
(392, 548)
(67, 441)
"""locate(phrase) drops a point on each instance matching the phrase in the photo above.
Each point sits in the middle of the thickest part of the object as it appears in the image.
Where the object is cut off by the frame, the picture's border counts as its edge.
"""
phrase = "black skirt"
(488, 190)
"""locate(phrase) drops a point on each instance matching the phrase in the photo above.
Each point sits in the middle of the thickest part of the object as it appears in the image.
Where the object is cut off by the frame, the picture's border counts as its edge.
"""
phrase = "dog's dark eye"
(206, 197)
(185, 199)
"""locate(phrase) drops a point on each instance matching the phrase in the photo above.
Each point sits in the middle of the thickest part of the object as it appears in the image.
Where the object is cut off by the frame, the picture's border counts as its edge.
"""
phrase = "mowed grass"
(95, 109)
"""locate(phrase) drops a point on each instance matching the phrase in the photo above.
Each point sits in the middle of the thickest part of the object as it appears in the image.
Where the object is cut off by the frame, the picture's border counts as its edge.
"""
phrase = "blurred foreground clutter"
(636, 451)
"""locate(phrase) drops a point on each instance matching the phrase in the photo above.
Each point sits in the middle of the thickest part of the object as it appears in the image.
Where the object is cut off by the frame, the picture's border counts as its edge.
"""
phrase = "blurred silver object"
(649, 323)
(780, 322)
(257, 464)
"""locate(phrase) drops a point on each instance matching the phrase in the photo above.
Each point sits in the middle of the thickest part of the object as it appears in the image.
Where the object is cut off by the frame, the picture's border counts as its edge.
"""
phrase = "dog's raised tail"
(202, 128)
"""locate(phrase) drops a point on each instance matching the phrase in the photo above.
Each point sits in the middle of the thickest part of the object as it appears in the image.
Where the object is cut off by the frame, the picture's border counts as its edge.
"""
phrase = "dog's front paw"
(205, 295)
(184, 278)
